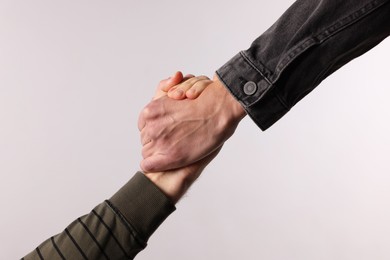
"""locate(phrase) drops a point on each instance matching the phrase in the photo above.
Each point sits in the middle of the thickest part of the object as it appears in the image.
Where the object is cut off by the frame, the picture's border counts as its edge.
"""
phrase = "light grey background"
(74, 76)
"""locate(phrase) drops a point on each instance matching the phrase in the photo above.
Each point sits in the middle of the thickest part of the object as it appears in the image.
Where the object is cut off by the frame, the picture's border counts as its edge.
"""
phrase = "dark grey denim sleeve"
(311, 40)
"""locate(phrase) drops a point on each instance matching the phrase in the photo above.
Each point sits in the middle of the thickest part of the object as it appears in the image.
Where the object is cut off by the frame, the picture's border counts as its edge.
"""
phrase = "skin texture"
(176, 133)
(175, 183)
(191, 88)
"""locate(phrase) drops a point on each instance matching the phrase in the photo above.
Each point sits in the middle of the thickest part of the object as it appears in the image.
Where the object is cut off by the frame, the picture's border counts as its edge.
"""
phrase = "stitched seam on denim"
(126, 223)
(254, 67)
(268, 81)
(327, 33)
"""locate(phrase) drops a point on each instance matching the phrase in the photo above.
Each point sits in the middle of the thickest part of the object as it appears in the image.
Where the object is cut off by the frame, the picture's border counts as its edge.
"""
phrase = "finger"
(147, 135)
(150, 111)
(146, 150)
(165, 85)
(146, 141)
(179, 91)
(197, 89)
(187, 77)
(189, 80)
(154, 163)
(141, 121)
(145, 138)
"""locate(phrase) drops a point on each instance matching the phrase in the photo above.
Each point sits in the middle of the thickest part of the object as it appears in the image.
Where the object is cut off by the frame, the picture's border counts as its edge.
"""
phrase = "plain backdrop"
(75, 74)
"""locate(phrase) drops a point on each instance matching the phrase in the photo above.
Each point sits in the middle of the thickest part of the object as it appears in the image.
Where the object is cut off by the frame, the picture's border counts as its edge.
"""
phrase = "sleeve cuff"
(261, 103)
(142, 204)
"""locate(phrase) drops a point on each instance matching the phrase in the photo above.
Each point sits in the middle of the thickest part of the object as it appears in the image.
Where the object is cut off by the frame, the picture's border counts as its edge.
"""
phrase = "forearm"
(310, 41)
(118, 228)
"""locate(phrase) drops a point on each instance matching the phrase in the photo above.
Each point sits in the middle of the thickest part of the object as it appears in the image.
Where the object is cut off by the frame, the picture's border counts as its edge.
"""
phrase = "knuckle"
(150, 110)
(146, 112)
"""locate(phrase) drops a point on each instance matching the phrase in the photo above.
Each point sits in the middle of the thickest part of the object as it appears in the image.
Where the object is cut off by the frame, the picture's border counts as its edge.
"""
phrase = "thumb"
(159, 163)
(153, 163)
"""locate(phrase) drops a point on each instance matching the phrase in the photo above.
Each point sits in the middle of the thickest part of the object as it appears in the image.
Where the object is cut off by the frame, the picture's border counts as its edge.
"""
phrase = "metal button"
(250, 88)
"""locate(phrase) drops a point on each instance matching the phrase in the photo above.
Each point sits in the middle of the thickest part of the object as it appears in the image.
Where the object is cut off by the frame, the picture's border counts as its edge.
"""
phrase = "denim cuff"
(310, 41)
(250, 86)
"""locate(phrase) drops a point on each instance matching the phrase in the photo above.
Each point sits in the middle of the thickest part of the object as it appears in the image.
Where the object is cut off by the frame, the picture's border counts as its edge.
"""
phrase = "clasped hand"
(186, 122)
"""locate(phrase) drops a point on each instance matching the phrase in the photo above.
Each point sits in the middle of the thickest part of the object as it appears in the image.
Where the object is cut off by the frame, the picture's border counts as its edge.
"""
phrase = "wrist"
(173, 184)
(236, 110)
(231, 112)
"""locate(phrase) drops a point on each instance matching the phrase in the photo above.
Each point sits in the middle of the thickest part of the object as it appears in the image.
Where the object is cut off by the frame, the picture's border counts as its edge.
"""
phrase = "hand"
(191, 88)
(170, 83)
(176, 133)
(176, 182)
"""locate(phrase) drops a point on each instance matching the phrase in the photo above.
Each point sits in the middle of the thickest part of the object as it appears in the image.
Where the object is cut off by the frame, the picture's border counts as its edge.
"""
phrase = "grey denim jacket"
(311, 40)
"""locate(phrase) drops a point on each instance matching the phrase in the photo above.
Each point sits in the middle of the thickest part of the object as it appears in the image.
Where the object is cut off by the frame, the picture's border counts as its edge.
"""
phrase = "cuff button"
(250, 88)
